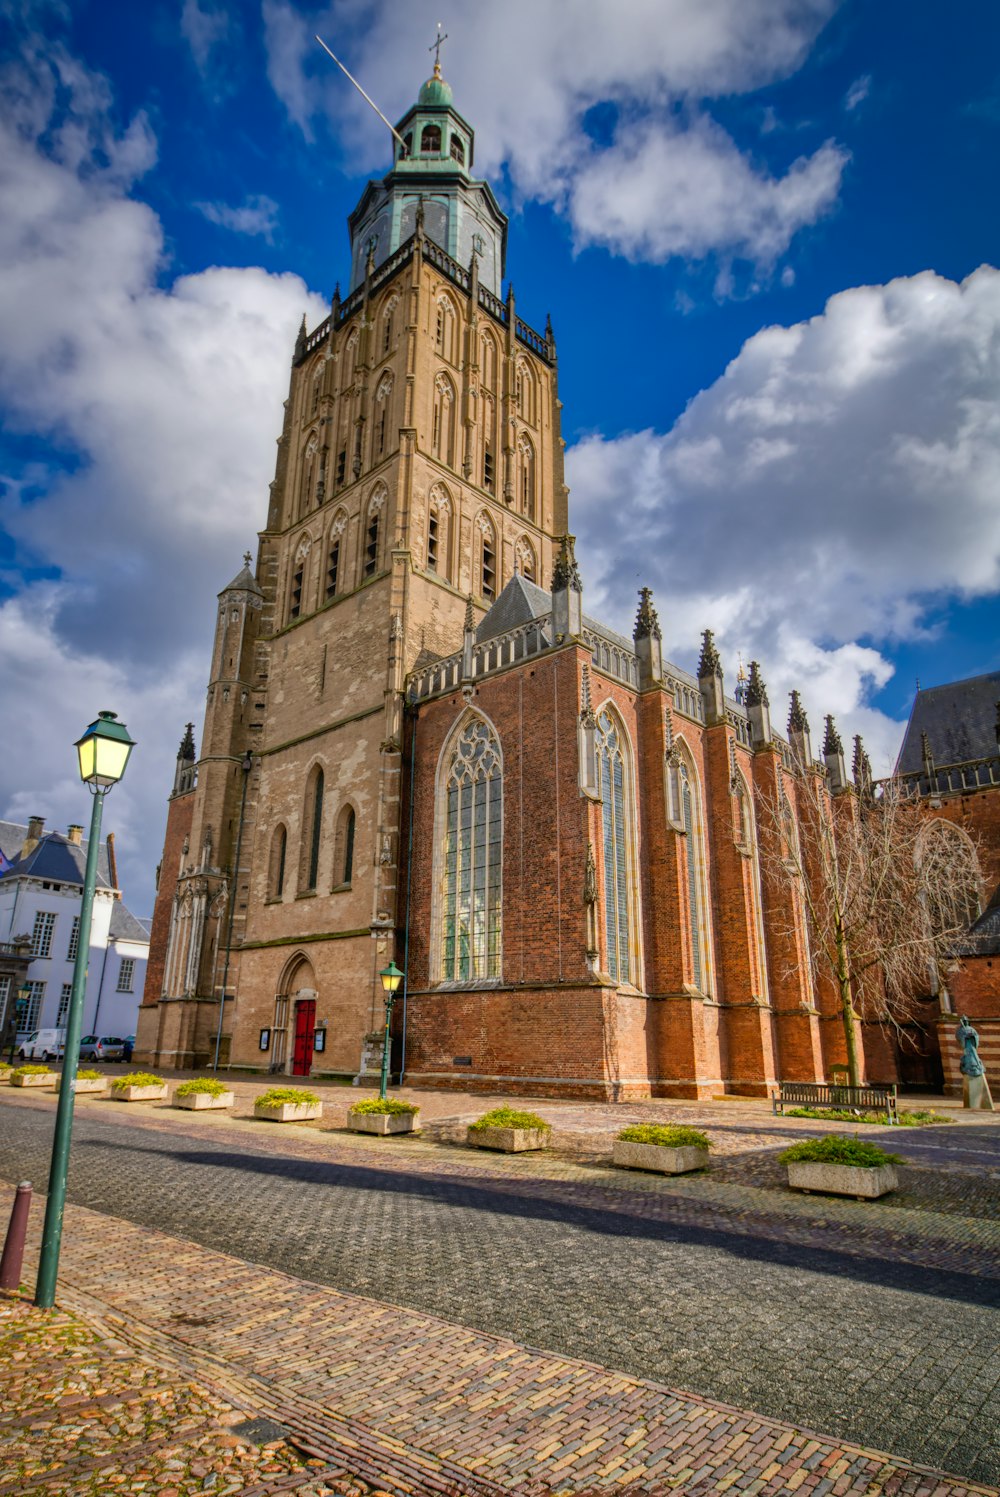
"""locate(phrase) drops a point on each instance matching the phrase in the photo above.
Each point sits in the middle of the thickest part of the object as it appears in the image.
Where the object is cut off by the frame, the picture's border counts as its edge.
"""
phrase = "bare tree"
(886, 890)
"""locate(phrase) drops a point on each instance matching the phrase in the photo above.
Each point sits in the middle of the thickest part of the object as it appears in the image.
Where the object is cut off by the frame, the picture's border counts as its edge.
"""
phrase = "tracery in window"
(445, 322)
(487, 559)
(308, 480)
(524, 391)
(388, 323)
(376, 505)
(438, 531)
(471, 887)
(488, 362)
(333, 556)
(525, 554)
(526, 475)
(312, 828)
(383, 396)
(613, 781)
(443, 427)
(746, 836)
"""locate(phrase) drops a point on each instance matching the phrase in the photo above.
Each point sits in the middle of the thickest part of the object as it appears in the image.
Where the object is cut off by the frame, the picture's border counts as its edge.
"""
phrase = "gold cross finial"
(435, 47)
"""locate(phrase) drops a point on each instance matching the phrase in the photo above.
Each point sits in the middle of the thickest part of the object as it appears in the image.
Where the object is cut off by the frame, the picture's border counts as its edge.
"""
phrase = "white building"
(41, 885)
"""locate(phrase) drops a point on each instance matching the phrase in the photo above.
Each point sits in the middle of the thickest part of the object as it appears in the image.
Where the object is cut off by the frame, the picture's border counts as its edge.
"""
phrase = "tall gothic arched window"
(691, 822)
(526, 475)
(312, 827)
(471, 789)
(443, 428)
(276, 871)
(380, 433)
(613, 784)
(343, 849)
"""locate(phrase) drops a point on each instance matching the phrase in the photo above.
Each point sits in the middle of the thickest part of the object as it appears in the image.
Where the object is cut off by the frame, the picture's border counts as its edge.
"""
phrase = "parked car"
(102, 1047)
(129, 1046)
(43, 1044)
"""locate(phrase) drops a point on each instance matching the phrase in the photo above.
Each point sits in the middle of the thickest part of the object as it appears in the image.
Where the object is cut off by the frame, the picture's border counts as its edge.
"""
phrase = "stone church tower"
(419, 467)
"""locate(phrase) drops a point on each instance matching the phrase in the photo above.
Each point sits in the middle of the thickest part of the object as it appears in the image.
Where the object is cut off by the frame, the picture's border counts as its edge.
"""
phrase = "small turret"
(861, 767)
(184, 773)
(567, 592)
(833, 757)
(798, 731)
(710, 681)
(468, 639)
(648, 641)
(758, 708)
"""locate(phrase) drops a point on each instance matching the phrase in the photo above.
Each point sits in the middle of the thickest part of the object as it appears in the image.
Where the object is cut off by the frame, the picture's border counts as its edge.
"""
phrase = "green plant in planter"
(31, 1071)
(391, 1105)
(88, 1076)
(838, 1148)
(136, 1078)
(207, 1084)
(277, 1096)
(666, 1135)
(509, 1117)
(918, 1119)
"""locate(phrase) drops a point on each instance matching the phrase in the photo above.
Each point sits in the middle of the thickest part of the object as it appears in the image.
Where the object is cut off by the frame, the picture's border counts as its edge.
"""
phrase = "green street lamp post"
(391, 978)
(104, 752)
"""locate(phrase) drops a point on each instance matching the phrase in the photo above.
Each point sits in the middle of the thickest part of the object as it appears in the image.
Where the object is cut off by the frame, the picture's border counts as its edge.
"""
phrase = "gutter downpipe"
(247, 766)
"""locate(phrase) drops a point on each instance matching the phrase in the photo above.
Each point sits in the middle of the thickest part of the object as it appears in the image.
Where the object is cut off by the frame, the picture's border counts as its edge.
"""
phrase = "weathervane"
(435, 47)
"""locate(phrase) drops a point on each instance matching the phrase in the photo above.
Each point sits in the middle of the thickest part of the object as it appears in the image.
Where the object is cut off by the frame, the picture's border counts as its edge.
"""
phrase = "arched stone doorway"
(295, 1019)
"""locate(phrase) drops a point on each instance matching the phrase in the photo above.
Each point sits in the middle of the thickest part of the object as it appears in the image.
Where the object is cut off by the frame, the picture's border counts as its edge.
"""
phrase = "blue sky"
(764, 230)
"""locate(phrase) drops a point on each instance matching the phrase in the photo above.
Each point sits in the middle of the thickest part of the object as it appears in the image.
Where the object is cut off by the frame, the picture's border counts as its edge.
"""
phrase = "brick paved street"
(874, 1323)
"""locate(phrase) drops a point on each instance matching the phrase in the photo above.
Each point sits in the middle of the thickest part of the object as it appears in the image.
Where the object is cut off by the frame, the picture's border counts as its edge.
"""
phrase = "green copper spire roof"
(436, 91)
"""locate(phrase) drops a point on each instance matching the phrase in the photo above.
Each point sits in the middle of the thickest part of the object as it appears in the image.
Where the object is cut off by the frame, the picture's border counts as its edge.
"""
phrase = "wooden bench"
(873, 1098)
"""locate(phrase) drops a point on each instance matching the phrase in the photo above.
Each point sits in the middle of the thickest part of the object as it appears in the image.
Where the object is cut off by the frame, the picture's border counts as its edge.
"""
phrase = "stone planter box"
(381, 1123)
(867, 1184)
(204, 1101)
(140, 1093)
(664, 1161)
(290, 1112)
(509, 1140)
(86, 1084)
(48, 1079)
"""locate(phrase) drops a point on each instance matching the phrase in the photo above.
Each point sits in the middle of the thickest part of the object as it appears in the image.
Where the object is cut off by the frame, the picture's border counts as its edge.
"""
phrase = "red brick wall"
(180, 810)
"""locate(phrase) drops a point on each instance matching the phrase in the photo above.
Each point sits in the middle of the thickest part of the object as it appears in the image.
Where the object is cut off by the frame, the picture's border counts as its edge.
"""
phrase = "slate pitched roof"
(125, 926)
(245, 582)
(983, 938)
(960, 721)
(519, 603)
(54, 857)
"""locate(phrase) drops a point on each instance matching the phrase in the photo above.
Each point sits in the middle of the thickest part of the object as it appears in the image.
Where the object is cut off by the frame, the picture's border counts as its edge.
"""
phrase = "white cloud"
(837, 478)
(168, 396)
(256, 216)
(204, 28)
(858, 92)
(671, 182)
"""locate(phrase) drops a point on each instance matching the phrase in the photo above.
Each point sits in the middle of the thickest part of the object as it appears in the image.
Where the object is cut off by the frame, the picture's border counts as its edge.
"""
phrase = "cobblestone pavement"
(83, 1412)
(876, 1322)
(422, 1406)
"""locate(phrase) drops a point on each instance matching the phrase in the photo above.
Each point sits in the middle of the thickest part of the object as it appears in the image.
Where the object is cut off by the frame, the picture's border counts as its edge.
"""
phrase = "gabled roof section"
(960, 721)
(519, 603)
(983, 938)
(125, 926)
(59, 861)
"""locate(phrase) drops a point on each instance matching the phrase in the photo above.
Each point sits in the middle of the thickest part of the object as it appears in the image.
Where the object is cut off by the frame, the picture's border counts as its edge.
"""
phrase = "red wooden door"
(305, 1028)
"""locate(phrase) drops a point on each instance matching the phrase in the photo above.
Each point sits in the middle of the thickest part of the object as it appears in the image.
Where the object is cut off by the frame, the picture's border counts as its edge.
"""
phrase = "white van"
(43, 1044)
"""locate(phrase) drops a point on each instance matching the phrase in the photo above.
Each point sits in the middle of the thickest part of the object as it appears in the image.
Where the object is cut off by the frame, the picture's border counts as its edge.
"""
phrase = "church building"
(419, 747)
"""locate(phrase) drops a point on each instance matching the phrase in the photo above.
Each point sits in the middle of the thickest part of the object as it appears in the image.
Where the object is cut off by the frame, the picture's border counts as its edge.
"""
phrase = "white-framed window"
(74, 940)
(126, 975)
(64, 997)
(41, 935)
(32, 1008)
(471, 792)
(614, 784)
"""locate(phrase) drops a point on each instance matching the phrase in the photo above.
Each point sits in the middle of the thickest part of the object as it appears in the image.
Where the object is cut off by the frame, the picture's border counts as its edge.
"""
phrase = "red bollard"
(13, 1248)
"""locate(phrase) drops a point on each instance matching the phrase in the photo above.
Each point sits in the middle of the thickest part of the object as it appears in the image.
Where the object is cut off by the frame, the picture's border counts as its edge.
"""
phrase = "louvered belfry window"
(471, 943)
(617, 898)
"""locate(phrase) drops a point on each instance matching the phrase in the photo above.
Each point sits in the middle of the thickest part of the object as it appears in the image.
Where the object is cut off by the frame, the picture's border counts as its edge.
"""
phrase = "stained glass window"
(617, 890)
(471, 928)
(691, 828)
